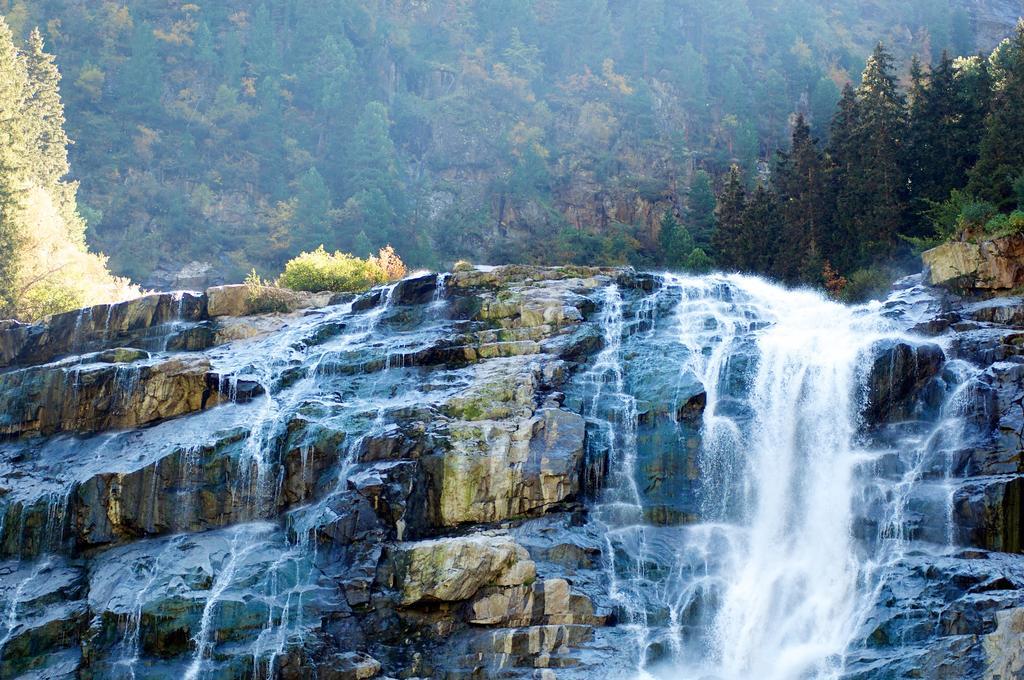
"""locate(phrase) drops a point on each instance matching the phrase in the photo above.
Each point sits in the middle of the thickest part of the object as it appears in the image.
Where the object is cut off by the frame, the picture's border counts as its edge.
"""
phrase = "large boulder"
(45, 614)
(455, 569)
(896, 380)
(92, 328)
(1004, 647)
(989, 513)
(494, 470)
(997, 264)
(243, 300)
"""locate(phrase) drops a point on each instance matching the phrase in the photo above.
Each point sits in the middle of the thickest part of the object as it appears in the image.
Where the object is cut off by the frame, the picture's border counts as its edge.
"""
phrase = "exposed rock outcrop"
(465, 476)
(992, 265)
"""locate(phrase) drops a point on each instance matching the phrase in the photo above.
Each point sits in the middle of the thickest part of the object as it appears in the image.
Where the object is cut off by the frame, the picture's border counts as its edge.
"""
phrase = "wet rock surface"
(497, 473)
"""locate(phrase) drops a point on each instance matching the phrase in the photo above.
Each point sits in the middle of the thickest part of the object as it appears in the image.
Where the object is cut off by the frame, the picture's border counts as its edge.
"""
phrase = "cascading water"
(769, 581)
(747, 516)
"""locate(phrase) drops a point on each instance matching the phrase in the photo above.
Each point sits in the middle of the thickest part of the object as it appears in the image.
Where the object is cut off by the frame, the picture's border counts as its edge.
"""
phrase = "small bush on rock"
(866, 284)
(264, 297)
(341, 272)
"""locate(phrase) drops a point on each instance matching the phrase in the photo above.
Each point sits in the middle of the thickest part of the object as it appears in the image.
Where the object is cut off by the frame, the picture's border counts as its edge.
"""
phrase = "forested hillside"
(240, 133)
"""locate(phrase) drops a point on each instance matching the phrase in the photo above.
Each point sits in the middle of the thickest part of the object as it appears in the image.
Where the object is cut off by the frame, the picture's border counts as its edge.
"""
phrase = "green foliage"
(729, 238)
(801, 182)
(700, 209)
(264, 297)
(866, 284)
(1002, 224)
(945, 217)
(974, 213)
(319, 270)
(1018, 191)
(497, 115)
(1001, 157)
(45, 267)
(676, 242)
(698, 262)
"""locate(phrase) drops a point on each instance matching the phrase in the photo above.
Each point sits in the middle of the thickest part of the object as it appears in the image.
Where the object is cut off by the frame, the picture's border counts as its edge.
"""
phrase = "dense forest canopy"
(238, 134)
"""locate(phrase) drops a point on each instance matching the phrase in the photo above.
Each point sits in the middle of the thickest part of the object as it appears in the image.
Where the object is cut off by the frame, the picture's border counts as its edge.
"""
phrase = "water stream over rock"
(515, 472)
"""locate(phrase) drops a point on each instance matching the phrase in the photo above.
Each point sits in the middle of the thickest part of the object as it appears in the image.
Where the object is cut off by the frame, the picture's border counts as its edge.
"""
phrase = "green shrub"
(1018, 191)
(1005, 225)
(340, 272)
(698, 261)
(976, 213)
(264, 297)
(866, 284)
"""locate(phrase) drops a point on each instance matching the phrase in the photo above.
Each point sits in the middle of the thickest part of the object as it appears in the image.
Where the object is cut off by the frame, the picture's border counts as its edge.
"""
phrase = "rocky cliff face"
(513, 472)
(994, 20)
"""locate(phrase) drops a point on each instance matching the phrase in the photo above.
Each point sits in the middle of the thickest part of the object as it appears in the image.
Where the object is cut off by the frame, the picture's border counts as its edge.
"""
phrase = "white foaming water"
(789, 607)
(774, 558)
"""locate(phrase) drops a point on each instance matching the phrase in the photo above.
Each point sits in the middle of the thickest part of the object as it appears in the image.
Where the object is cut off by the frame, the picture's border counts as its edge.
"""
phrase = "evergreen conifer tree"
(700, 209)
(141, 80)
(729, 242)
(800, 183)
(45, 114)
(1001, 159)
(14, 90)
(760, 227)
(878, 177)
(676, 242)
(837, 242)
(940, 148)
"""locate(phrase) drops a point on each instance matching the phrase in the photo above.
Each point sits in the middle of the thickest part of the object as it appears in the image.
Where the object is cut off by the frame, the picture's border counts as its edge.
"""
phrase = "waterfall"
(787, 607)
(770, 581)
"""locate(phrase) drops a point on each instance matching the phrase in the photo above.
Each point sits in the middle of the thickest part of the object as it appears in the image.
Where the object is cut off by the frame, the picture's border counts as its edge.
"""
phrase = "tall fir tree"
(373, 161)
(700, 209)
(761, 224)
(312, 207)
(1001, 160)
(941, 142)
(141, 79)
(14, 90)
(805, 206)
(675, 241)
(837, 242)
(878, 177)
(729, 242)
(45, 110)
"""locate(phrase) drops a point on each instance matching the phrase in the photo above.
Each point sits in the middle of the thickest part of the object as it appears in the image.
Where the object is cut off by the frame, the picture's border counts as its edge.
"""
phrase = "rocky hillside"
(492, 473)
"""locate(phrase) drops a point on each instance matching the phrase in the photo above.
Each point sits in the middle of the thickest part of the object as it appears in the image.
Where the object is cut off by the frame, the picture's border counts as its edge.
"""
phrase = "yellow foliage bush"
(341, 272)
(55, 271)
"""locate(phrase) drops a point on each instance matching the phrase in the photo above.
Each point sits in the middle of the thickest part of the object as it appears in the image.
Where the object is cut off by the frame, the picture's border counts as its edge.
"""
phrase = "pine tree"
(141, 77)
(373, 162)
(262, 51)
(760, 226)
(14, 90)
(45, 114)
(312, 204)
(837, 243)
(801, 185)
(941, 140)
(729, 242)
(878, 177)
(676, 242)
(700, 209)
(867, 173)
(1001, 160)
(377, 197)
